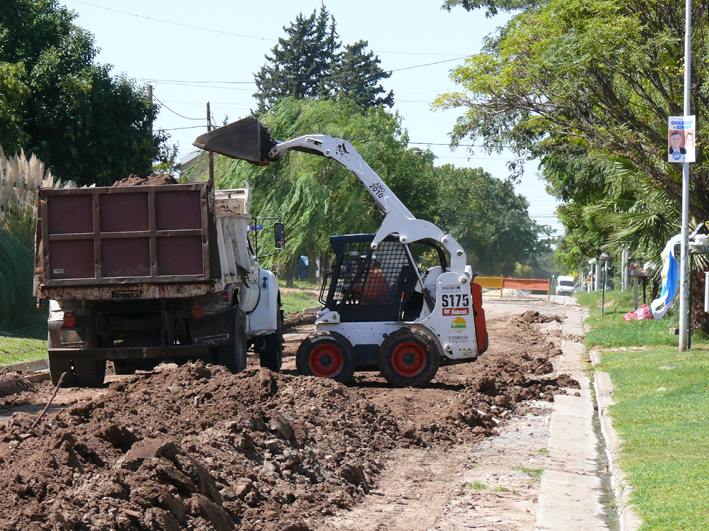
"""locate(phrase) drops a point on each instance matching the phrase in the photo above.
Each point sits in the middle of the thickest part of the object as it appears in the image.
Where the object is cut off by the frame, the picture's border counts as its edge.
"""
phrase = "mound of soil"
(153, 179)
(15, 389)
(535, 317)
(198, 447)
(193, 447)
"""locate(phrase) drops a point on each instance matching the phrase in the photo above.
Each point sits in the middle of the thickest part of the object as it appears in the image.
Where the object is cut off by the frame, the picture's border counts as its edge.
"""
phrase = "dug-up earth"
(197, 447)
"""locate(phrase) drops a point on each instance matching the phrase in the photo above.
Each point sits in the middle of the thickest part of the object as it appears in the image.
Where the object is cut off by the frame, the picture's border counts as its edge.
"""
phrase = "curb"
(628, 520)
(30, 366)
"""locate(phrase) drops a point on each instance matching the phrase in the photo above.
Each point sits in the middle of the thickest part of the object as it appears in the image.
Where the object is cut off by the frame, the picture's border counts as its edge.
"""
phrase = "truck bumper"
(133, 353)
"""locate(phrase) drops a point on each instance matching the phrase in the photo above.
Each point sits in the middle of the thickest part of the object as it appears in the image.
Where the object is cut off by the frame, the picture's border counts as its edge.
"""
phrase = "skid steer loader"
(380, 311)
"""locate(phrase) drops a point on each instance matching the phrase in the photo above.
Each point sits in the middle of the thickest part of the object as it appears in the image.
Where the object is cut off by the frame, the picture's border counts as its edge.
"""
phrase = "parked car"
(565, 285)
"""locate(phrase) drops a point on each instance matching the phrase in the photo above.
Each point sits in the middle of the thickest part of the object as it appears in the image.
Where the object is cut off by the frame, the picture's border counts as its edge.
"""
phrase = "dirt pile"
(153, 179)
(533, 316)
(192, 447)
(197, 447)
(15, 389)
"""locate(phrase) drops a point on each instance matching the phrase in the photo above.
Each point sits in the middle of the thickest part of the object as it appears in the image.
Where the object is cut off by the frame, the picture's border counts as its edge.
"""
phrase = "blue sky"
(189, 66)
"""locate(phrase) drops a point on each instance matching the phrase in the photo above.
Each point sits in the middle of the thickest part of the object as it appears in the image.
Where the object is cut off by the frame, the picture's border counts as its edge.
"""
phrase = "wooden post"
(502, 284)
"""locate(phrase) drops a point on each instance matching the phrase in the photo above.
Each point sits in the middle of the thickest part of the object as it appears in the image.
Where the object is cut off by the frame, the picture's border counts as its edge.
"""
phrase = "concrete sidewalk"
(572, 488)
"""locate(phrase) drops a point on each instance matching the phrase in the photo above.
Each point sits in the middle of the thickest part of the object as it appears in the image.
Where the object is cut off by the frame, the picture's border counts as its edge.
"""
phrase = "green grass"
(478, 486)
(21, 349)
(534, 473)
(611, 330)
(297, 301)
(661, 413)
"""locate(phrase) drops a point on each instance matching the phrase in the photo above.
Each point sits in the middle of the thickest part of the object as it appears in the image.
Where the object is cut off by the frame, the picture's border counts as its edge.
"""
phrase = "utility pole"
(150, 99)
(684, 249)
(210, 154)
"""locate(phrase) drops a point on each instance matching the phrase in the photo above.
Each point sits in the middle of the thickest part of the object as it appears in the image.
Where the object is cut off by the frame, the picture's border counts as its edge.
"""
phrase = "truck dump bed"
(137, 242)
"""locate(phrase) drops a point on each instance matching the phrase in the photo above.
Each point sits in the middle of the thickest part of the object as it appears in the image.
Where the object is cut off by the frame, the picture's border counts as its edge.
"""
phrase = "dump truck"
(139, 274)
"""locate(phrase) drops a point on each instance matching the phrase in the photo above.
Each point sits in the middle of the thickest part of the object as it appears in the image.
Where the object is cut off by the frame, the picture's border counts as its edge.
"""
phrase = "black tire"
(270, 347)
(130, 366)
(90, 373)
(233, 355)
(124, 367)
(326, 355)
(409, 358)
(58, 367)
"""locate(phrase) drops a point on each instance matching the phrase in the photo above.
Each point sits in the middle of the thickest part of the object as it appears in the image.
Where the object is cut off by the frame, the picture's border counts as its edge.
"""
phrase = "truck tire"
(233, 355)
(326, 355)
(409, 358)
(130, 366)
(270, 347)
(89, 373)
(123, 367)
(57, 367)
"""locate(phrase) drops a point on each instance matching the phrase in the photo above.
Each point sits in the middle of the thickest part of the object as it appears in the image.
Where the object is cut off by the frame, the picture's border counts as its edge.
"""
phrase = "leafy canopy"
(57, 102)
(586, 86)
(317, 197)
(309, 63)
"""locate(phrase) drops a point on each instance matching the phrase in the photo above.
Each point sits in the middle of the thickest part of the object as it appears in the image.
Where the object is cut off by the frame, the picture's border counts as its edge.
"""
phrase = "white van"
(564, 285)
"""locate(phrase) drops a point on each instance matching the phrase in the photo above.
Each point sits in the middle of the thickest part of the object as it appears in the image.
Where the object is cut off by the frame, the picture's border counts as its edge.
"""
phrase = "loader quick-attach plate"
(246, 139)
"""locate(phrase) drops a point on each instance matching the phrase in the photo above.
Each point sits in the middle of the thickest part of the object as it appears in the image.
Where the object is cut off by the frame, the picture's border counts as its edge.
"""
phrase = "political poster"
(681, 139)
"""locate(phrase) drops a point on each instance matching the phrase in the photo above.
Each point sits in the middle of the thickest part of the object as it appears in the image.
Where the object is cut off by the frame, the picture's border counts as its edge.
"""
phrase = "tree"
(357, 76)
(308, 64)
(300, 63)
(489, 220)
(492, 6)
(588, 85)
(56, 102)
(316, 196)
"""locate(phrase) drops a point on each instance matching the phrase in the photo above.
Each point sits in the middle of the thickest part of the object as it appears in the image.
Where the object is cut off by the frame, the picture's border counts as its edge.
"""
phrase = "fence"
(528, 284)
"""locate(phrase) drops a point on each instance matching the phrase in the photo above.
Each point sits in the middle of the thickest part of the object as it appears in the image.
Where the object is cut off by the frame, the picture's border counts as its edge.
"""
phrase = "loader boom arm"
(398, 219)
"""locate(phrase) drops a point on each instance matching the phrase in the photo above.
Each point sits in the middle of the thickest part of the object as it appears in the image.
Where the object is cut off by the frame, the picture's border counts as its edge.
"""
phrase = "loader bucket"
(245, 139)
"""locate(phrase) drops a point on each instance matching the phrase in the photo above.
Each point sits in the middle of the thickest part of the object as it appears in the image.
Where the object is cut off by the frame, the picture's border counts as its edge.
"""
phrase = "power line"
(187, 127)
(429, 64)
(235, 34)
(195, 81)
(174, 23)
(175, 112)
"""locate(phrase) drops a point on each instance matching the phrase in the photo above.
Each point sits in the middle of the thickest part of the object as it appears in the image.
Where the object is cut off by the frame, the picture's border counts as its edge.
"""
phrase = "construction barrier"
(528, 284)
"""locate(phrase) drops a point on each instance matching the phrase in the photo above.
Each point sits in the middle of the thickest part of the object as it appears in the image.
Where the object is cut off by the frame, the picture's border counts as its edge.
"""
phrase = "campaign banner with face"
(681, 138)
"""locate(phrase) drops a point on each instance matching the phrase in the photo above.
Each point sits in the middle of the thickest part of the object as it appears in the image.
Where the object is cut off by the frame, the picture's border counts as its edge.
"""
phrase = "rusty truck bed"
(122, 243)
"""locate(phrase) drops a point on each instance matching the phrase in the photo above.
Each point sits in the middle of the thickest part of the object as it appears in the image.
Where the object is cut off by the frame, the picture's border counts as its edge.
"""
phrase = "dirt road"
(197, 447)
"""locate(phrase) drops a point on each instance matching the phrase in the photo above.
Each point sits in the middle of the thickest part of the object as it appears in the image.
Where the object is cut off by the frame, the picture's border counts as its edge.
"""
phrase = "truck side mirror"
(279, 234)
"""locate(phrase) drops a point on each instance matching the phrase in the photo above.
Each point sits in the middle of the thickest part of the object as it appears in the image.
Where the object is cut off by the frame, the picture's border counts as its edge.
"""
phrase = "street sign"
(681, 139)
(257, 227)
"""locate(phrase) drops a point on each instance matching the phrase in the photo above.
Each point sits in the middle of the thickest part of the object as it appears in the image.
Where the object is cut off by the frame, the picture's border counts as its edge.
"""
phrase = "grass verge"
(610, 330)
(661, 413)
(21, 349)
(297, 300)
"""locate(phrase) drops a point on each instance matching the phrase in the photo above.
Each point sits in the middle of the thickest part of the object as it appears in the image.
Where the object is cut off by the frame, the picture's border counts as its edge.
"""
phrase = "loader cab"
(378, 285)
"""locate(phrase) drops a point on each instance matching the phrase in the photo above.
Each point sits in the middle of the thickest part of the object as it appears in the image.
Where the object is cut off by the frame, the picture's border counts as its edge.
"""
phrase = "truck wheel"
(123, 367)
(327, 355)
(270, 347)
(233, 355)
(89, 373)
(57, 367)
(409, 358)
(130, 366)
